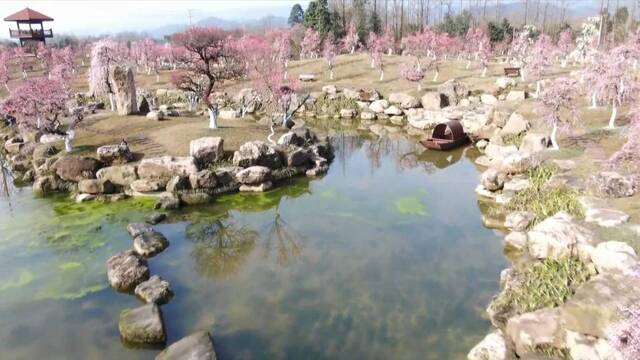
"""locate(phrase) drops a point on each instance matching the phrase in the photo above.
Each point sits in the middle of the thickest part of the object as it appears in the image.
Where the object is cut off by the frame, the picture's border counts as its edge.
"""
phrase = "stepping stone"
(195, 346)
(136, 229)
(149, 244)
(126, 270)
(155, 218)
(142, 325)
(155, 290)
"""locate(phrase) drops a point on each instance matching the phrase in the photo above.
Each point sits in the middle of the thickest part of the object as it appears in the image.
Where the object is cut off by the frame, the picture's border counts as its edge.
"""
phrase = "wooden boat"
(446, 136)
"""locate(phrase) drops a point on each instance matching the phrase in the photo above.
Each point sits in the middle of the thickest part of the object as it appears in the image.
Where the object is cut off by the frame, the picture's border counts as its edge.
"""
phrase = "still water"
(383, 258)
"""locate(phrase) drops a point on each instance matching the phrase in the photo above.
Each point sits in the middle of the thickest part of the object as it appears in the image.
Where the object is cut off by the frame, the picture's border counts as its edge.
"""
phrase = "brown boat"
(446, 136)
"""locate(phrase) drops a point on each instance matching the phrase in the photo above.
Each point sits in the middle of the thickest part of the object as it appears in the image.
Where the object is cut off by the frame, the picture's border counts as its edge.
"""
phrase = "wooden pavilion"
(29, 26)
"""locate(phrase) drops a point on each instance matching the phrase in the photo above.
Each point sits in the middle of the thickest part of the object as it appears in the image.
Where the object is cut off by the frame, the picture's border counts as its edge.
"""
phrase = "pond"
(385, 257)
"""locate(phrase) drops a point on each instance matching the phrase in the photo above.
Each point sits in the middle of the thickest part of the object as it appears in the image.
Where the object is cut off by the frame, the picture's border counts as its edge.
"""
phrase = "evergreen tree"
(456, 25)
(296, 16)
(359, 12)
(310, 15)
(375, 23)
(318, 16)
(499, 31)
(337, 30)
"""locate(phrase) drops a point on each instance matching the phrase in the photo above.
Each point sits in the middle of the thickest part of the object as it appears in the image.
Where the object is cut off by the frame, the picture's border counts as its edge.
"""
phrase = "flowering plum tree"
(311, 44)
(413, 73)
(520, 50)
(5, 61)
(388, 39)
(104, 55)
(616, 85)
(630, 151)
(556, 100)
(210, 55)
(281, 44)
(329, 52)
(540, 58)
(376, 45)
(476, 41)
(565, 45)
(350, 41)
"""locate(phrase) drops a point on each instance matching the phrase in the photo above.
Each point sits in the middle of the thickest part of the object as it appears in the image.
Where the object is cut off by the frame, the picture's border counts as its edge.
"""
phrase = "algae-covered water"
(383, 258)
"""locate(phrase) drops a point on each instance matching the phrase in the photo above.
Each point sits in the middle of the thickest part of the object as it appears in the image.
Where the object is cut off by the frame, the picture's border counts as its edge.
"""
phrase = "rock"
(606, 217)
(516, 185)
(405, 101)
(168, 202)
(433, 101)
(518, 162)
(519, 220)
(516, 95)
(44, 151)
(142, 325)
(598, 303)
(122, 175)
(76, 168)
(564, 165)
(613, 184)
(184, 166)
(393, 111)
(43, 185)
(150, 243)
(425, 119)
(153, 171)
(367, 115)
(297, 157)
(257, 153)
(347, 113)
(13, 145)
(368, 95)
(114, 154)
(515, 125)
(155, 115)
(80, 198)
(397, 120)
(492, 347)
(516, 240)
(492, 179)
(92, 186)
(203, 179)
(483, 160)
(614, 256)
(197, 346)
(558, 236)
(488, 99)
(143, 104)
(155, 218)
(124, 87)
(453, 91)
(330, 89)
(267, 185)
(227, 175)
(195, 198)
(253, 175)
(323, 150)
(136, 229)
(126, 270)
(207, 150)
(503, 82)
(533, 143)
(51, 138)
(154, 291)
(586, 347)
(178, 183)
(499, 152)
(146, 186)
(379, 106)
(535, 329)
(298, 137)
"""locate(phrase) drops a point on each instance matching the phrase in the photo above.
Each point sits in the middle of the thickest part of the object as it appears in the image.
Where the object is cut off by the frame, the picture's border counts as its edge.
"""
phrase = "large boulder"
(122, 175)
(135, 229)
(519, 220)
(453, 91)
(154, 291)
(612, 184)
(433, 100)
(44, 151)
(207, 150)
(533, 143)
(254, 175)
(492, 347)
(126, 270)
(95, 186)
(257, 153)
(184, 166)
(76, 168)
(540, 328)
(559, 236)
(153, 171)
(516, 95)
(142, 325)
(518, 162)
(298, 137)
(114, 154)
(614, 256)
(147, 186)
(297, 157)
(13, 145)
(197, 346)
(488, 99)
(124, 87)
(492, 179)
(425, 119)
(515, 125)
(204, 179)
(379, 106)
(405, 101)
(150, 243)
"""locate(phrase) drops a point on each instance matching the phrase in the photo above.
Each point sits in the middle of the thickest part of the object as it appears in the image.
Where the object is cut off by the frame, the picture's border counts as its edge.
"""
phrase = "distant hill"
(514, 12)
(263, 23)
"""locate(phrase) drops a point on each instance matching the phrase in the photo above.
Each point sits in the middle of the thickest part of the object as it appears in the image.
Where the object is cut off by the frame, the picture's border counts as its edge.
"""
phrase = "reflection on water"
(383, 258)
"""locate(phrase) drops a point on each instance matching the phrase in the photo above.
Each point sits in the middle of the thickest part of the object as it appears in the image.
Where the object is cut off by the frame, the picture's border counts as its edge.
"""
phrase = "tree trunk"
(538, 85)
(484, 71)
(381, 75)
(612, 119)
(419, 86)
(353, 50)
(286, 74)
(435, 76)
(213, 117)
(468, 64)
(157, 78)
(68, 144)
(373, 63)
(554, 140)
(331, 75)
(112, 101)
(594, 100)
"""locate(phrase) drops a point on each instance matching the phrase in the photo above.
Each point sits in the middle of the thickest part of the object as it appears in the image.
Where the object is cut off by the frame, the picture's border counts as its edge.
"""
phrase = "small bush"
(545, 284)
(544, 201)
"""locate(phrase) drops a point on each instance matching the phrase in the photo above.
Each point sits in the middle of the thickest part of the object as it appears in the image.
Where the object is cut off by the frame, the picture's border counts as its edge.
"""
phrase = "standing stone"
(125, 90)
(196, 346)
(142, 325)
(126, 270)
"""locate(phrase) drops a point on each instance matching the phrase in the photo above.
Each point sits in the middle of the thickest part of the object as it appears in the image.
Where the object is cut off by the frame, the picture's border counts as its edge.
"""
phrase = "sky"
(99, 17)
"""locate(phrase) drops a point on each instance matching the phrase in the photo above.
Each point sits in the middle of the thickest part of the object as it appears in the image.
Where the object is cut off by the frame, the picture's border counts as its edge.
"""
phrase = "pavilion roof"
(27, 14)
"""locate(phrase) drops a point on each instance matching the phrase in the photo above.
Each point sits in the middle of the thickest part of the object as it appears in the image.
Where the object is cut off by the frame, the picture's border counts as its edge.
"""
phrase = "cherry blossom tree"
(476, 41)
(281, 45)
(541, 56)
(630, 151)
(418, 44)
(557, 105)
(329, 52)
(590, 74)
(311, 44)
(520, 50)
(105, 54)
(388, 39)
(565, 45)
(616, 85)
(376, 46)
(413, 73)
(44, 55)
(350, 41)
(211, 57)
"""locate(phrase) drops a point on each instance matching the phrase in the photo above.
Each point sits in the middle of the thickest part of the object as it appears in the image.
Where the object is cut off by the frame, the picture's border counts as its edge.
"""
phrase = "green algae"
(25, 278)
(71, 265)
(410, 205)
(52, 294)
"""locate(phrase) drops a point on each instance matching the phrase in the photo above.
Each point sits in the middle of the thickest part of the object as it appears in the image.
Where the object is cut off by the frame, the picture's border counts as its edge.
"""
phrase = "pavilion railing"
(34, 33)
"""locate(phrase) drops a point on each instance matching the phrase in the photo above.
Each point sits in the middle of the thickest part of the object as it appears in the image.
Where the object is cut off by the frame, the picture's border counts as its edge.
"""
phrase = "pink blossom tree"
(376, 45)
(281, 45)
(520, 50)
(630, 151)
(565, 45)
(388, 39)
(5, 62)
(616, 85)
(590, 74)
(541, 57)
(556, 100)
(350, 41)
(210, 57)
(105, 54)
(311, 44)
(413, 73)
(329, 52)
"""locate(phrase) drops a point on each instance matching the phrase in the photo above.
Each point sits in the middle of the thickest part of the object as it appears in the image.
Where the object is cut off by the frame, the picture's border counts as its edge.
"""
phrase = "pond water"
(385, 257)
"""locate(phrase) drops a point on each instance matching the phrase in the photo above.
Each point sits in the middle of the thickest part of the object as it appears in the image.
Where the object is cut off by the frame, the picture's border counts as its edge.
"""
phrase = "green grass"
(546, 201)
(552, 352)
(545, 284)
(514, 139)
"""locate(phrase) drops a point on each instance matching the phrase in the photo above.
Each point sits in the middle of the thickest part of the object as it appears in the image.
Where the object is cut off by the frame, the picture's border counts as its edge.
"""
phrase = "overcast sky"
(98, 16)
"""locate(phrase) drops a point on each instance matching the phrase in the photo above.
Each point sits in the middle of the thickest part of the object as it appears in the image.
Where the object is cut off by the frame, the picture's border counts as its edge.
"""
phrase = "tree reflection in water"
(221, 246)
(288, 242)
(5, 179)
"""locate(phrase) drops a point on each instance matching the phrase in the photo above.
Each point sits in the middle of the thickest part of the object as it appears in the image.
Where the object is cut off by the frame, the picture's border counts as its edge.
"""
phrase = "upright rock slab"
(142, 325)
(125, 90)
